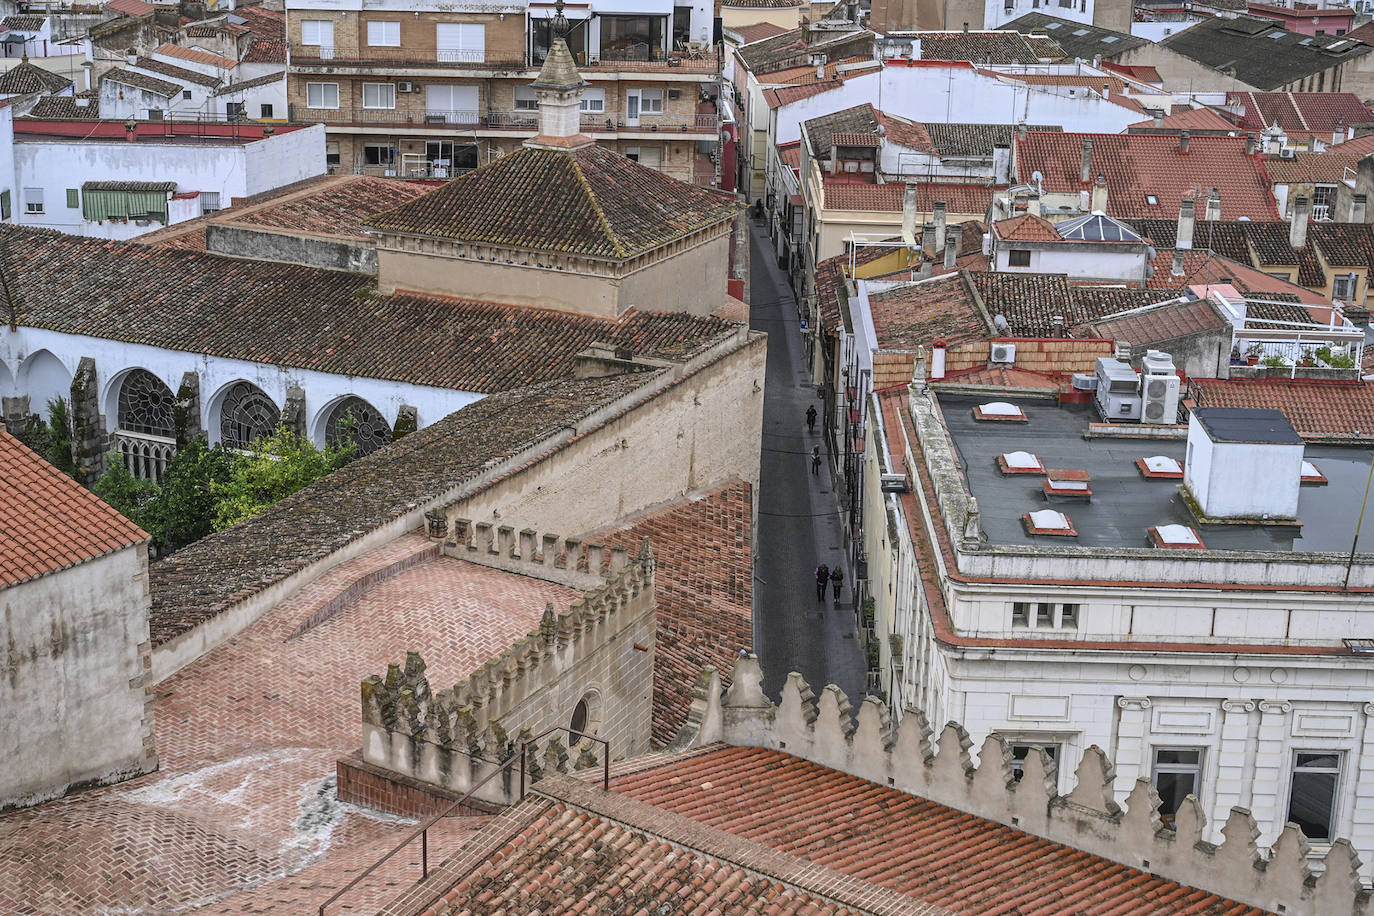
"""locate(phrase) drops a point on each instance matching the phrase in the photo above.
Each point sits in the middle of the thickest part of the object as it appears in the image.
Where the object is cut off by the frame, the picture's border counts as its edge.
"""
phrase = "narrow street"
(798, 523)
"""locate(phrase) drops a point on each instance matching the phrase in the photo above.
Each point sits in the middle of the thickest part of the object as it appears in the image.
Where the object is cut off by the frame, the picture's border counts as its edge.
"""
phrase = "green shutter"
(4, 204)
(73, 198)
(101, 205)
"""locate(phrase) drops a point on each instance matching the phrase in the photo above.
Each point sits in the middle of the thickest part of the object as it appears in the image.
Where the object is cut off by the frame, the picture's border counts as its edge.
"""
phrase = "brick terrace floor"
(242, 817)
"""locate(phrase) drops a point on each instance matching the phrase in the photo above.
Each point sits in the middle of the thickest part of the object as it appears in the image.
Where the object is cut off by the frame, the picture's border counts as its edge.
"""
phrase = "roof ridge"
(596, 204)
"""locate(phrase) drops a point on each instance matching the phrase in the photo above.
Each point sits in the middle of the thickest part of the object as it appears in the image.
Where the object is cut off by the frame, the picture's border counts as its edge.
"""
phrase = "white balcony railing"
(145, 456)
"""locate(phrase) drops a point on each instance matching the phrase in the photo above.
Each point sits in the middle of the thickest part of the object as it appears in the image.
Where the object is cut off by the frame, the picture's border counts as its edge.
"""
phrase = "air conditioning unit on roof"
(1003, 353)
(1286, 153)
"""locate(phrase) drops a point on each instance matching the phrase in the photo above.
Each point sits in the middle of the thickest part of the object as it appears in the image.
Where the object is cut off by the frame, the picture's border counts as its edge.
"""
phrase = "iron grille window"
(353, 419)
(145, 405)
(247, 414)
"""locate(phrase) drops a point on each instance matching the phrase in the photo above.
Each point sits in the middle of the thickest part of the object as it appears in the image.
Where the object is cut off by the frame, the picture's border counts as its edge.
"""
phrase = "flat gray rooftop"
(1124, 503)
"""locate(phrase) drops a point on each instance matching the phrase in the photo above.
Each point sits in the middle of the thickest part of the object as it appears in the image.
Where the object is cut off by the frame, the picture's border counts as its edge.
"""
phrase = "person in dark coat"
(811, 418)
(837, 580)
(822, 577)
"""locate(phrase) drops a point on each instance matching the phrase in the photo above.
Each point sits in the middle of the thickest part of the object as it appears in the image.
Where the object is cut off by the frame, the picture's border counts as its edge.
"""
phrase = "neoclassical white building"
(1182, 617)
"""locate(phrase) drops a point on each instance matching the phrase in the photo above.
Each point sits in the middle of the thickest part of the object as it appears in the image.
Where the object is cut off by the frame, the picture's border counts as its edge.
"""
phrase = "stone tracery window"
(356, 419)
(145, 405)
(246, 414)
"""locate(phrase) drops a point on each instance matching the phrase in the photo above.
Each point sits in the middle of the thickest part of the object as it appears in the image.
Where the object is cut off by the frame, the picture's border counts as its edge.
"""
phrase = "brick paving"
(242, 816)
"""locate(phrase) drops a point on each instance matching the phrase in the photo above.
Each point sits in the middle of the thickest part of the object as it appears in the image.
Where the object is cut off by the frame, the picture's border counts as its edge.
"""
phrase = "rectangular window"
(33, 200)
(209, 201)
(1342, 286)
(525, 99)
(265, 111)
(1020, 750)
(1020, 614)
(186, 94)
(384, 34)
(1177, 774)
(633, 37)
(1018, 257)
(1068, 616)
(1312, 798)
(450, 104)
(331, 152)
(651, 101)
(593, 101)
(73, 198)
(461, 42)
(378, 154)
(5, 209)
(682, 26)
(233, 111)
(154, 114)
(379, 95)
(317, 32)
(322, 95)
(1044, 614)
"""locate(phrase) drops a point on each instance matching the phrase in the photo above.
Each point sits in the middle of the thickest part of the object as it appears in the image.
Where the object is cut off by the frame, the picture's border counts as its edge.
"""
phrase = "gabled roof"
(756, 31)
(1026, 228)
(959, 141)
(1260, 53)
(64, 106)
(266, 79)
(588, 201)
(159, 87)
(1318, 410)
(1167, 322)
(1360, 146)
(1076, 38)
(914, 314)
(195, 55)
(23, 23)
(48, 521)
(180, 74)
(133, 8)
(262, 22)
(889, 198)
(265, 51)
(1300, 112)
(1137, 165)
(860, 119)
(24, 78)
(790, 49)
(1192, 119)
(905, 133)
(986, 47)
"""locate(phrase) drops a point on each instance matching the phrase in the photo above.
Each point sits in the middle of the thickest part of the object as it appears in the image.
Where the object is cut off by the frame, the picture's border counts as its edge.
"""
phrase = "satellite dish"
(1037, 177)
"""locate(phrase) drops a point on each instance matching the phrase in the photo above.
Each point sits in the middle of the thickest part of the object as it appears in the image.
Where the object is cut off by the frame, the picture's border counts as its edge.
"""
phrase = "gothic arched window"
(145, 405)
(246, 414)
(354, 419)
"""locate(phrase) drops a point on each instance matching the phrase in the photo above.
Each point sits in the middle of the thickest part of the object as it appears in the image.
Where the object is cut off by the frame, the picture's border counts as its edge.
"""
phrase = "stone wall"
(910, 759)
(76, 693)
(358, 256)
(599, 651)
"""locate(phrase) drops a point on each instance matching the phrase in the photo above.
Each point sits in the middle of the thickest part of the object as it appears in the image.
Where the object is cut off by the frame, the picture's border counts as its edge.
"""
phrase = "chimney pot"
(939, 220)
(1297, 230)
(928, 241)
(1214, 207)
(1085, 168)
(1187, 216)
(1251, 144)
(1358, 208)
(1177, 269)
(1183, 141)
(953, 236)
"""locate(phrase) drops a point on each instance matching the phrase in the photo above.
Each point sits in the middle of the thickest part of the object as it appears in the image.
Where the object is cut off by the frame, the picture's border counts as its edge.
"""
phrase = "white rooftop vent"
(1179, 537)
(1312, 475)
(1160, 467)
(1049, 522)
(1020, 463)
(1243, 464)
(999, 411)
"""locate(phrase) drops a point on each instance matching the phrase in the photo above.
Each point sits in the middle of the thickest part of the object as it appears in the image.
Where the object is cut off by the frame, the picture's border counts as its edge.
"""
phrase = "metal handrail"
(423, 830)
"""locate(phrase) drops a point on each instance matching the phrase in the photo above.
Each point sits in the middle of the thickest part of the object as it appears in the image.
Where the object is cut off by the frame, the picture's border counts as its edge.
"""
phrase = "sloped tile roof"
(160, 87)
(830, 281)
(338, 206)
(859, 119)
(255, 310)
(1200, 270)
(789, 49)
(1306, 168)
(903, 842)
(1192, 119)
(911, 316)
(866, 140)
(1300, 112)
(262, 22)
(1076, 38)
(48, 521)
(1364, 33)
(23, 23)
(1114, 84)
(266, 79)
(1164, 323)
(987, 47)
(265, 51)
(1026, 228)
(64, 106)
(197, 56)
(25, 77)
(589, 201)
(1260, 53)
(202, 579)
(129, 7)
(1344, 244)
(704, 587)
(757, 31)
(954, 141)
(902, 132)
(1260, 243)
(1360, 146)
(888, 198)
(180, 74)
(1321, 410)
(1139, 164)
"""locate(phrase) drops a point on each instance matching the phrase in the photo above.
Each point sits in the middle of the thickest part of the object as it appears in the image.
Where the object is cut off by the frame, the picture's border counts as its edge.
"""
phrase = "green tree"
(52, 438)
(125, 492)
(185, 507)
(277, 466)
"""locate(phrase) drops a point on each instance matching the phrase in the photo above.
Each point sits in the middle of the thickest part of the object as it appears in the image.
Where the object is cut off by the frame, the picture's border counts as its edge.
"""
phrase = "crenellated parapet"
(911, 758)
(566, 560)
(597, 649)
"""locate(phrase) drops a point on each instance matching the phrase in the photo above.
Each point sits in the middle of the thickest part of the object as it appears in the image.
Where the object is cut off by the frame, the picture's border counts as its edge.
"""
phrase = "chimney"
(1022, 131)
(1214, 207)
(1251, 144)
(1358, 208)
(1177, 269)
(1158, 121)
(1183, 140)
(1106, 90)
(909, 215)
(132, 58)
(965, 28)
(953, 236)
(937, 359)
(1057, 323)
(940, 213)
(834, 157)
(1099, 199)
(928, 241)
(1085, 167)
(1183, 238)
(1297, 230)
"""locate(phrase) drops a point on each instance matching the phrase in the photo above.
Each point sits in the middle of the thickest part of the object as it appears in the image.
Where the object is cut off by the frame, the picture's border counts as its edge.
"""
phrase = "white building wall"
(253, 98)
(283, 159)
(200, 94)
(1127, 266)
(118, 101)
(50, 359)
(997, 13)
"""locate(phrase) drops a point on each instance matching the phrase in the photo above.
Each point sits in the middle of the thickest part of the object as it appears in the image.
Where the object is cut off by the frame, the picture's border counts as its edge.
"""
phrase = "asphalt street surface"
(799, 522)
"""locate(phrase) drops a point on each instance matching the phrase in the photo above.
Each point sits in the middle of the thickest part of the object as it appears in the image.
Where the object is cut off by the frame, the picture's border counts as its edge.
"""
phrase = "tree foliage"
(186, 505)
(52, 438)
(129, 495)
(276, 466)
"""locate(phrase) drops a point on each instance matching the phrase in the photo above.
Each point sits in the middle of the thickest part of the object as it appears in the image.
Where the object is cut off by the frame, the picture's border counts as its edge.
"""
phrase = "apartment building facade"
(419, 88)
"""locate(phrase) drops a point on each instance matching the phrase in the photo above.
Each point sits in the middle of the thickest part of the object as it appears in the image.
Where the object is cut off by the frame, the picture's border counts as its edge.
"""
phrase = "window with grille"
(354, 420)
(145, 405)
(525, 99)
(246, 414)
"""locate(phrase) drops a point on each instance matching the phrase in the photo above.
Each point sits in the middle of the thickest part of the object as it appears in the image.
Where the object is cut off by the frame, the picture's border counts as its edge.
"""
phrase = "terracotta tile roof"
(133, 8)
(789, 49)
(786, 95)
(996, 47)
(48, 521)
(757, 31)
(1264, 244)
(761, 4)
(1026, 228)
(1259, 53)
(265, 51)
(913, 315)
(1192, 119)
(1306, 168)
(25, 77)
(1300, 112)
(830, 282)
(1142, 72)
(590, 201)
(266, 79)
(1360, 146)
(201, 580)
(1344, 244)
(1320, 410)
(860, 119)
(1078, 39)
(1205, 273)
(1139, 164)
(1114, 84)
(841, 138)
(905, 133)
(64, 106)
(888, 198)
(1164, 323)
(262, 22)
(23, 23)
(945, 857)
(159, 87)
(1046, 48)
(790, 155)
(1000, 376)
(1364, 33)
(956, 141)
(338, 207)
(254, 310)
(197, 56)
(1031, 302)
(181, 74)
(704, 581)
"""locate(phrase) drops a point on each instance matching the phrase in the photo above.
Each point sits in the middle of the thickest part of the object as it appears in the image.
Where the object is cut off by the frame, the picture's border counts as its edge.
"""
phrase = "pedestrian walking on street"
(816, 461)
(822, 577)
(837, 580)
(811, 418)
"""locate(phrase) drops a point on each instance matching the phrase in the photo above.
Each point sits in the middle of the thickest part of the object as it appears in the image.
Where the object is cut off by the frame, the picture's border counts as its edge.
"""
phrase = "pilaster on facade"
(1271, 764)
(1131, 752)
(1235, 773)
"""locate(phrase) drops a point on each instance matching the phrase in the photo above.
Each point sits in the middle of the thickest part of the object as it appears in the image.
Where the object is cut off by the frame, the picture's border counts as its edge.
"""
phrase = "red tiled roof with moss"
(1319, 410)
(911, 316)
(830, 279)
(756, 31)
(338, 207)
(1026, 228)
(589, 201)
(903, 842)
(1192, 119)
(704, 578)
(48, 521)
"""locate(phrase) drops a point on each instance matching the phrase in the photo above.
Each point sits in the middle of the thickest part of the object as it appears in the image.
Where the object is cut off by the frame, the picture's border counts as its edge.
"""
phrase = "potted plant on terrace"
(1253, 353)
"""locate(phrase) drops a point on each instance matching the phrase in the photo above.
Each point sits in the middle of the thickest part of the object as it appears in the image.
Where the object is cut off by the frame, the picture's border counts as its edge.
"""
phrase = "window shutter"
(73, 198)
(5, 204)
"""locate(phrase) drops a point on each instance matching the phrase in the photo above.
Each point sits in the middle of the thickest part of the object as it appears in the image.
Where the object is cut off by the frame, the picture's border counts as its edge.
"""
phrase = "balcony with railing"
(145, 456)
(388, 61)
(437, 118)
